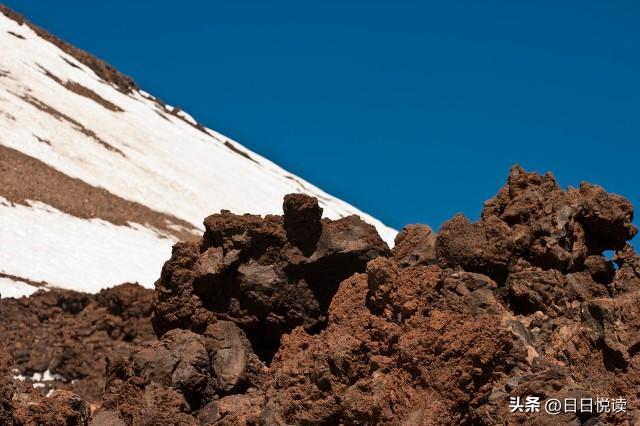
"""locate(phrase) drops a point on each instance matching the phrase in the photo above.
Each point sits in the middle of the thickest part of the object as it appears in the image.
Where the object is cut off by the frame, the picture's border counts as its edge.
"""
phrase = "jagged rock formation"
(299, 320)
(521, 303)
(229, 297)
(533, 220)
(267, 275)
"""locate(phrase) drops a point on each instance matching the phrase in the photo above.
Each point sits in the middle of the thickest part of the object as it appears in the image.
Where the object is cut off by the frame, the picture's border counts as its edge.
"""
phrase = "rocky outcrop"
(450, 327)
(295, 319)
(188, 369)
(415, 245)
(533, 220)
(402, 345)
(266, 275)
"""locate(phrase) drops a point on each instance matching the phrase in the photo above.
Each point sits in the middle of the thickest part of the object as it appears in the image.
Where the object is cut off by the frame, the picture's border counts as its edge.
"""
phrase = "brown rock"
(302, 216)
(533, 219)
(484, 247)
(107, 418)
(415, 245)
(73, 334)
(232, 361)
(62, 408)
(267, 275)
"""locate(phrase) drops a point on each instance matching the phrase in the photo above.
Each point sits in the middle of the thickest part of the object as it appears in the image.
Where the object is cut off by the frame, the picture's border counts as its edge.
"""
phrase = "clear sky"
(411, 110)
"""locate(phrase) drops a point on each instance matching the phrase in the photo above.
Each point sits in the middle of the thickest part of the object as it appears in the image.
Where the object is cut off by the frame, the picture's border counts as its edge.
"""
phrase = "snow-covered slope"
(99, 178)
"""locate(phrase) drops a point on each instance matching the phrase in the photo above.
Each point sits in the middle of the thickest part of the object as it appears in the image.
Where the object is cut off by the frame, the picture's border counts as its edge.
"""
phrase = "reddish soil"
(27, 178)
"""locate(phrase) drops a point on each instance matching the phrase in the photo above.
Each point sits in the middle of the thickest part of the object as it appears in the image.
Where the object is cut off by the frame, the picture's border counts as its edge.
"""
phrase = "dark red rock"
(533, 219)
(267, 275)
(302, 216)
(21, 404)
(415, 245)
(190, 369)
(73, 334)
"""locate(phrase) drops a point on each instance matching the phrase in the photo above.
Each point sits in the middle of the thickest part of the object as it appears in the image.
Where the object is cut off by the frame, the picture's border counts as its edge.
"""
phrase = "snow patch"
(49, 245)
(37, 378)
(15, 289)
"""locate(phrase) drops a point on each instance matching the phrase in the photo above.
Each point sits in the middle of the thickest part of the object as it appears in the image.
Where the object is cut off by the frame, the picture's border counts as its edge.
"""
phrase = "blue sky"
(410, 110)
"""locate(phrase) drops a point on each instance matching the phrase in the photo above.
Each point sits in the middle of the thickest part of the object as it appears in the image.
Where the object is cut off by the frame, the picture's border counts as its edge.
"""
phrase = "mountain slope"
(97, 173)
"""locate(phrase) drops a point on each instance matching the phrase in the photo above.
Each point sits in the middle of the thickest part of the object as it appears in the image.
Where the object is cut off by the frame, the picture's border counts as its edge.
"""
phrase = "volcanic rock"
(21, 404)
(415, 245)
(533, 219)
(267, 275)
(70, 335)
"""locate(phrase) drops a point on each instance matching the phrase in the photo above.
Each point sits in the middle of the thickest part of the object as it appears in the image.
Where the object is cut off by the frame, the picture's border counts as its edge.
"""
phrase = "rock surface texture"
(55, 345)
(265, 275)
(298, 320)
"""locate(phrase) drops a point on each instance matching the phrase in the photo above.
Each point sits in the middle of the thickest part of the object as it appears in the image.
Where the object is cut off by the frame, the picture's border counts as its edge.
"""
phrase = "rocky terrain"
(300, 320)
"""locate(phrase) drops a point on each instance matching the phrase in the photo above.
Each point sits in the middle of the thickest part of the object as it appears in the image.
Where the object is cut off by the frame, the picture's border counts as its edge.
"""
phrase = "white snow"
(38, 380)
(45, 244)
(45, 376)
(187, 117)
(11, 288)
(169, 166)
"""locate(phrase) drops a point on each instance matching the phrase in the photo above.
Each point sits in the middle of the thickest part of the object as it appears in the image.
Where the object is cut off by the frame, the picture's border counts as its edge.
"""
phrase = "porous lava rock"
(21, 404)
(521, 303)
(182, 373)
(410, 345)
(6, 388)
(415, 245)
(533, 219)
(70, 335)
(268, 275)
